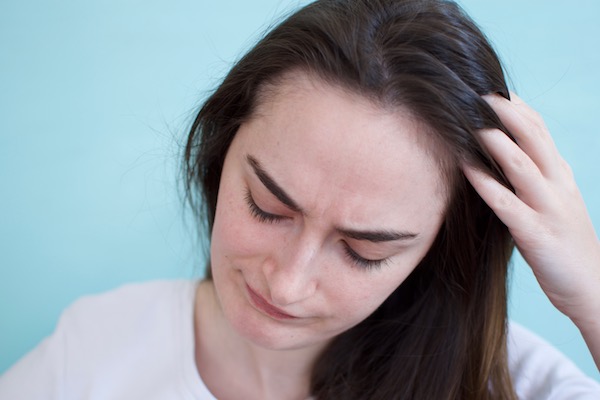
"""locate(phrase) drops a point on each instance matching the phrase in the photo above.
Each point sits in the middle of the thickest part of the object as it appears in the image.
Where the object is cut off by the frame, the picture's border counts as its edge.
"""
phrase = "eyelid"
(269, 183)
(258, 212)
(363, 262)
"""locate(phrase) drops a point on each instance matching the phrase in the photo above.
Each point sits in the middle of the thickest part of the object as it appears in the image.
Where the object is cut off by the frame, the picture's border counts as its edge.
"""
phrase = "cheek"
(360, 293)
(229, 229)
(236, 234)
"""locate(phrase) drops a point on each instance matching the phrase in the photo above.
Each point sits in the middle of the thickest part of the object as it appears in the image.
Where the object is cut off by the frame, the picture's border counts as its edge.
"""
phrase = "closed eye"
(259, 213)
(362, 262)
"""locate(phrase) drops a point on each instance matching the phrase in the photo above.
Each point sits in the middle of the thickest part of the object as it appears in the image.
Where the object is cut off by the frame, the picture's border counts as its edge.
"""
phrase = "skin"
(294, 256)
(546, 215)
(298, 261)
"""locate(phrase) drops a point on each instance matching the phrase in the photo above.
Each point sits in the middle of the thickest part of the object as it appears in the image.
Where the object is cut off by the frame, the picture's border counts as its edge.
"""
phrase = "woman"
(365, 177)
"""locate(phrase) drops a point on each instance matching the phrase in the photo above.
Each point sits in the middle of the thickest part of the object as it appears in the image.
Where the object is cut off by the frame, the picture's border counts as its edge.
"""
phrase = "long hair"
(442, 333)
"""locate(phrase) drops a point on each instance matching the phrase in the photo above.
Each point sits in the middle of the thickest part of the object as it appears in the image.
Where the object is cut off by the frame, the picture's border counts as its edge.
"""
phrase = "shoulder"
(111, 345)
(540, 371)
(127, 316)
(130, 300)
(134, 334)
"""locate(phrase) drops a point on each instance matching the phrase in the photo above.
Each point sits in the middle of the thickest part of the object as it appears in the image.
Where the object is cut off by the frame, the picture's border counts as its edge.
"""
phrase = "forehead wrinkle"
(298, 84)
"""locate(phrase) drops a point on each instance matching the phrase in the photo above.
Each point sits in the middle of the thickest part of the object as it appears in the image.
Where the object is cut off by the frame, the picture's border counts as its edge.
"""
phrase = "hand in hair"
(546, 214)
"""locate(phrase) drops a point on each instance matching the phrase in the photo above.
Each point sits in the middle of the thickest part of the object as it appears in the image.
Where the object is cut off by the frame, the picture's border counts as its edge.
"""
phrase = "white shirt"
(137, 342)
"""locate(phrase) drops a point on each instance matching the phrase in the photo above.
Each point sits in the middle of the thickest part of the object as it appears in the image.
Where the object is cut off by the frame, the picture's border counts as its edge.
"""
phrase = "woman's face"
(326, 204)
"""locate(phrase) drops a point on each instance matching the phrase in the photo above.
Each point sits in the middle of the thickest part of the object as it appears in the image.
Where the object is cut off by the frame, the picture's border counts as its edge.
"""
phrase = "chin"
(258, 328)
(265, 332)
(269, 334)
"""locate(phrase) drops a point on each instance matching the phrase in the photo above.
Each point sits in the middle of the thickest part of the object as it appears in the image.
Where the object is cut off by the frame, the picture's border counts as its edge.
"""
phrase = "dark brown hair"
(442, 333)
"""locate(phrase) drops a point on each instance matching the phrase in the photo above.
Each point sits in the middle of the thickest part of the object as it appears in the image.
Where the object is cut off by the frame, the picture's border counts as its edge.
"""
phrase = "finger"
(530, 132)
(513, 212)
(523, 174)
(559, 164)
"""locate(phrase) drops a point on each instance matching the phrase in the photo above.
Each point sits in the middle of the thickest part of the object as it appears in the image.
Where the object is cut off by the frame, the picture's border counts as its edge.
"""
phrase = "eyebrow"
(272, 186)
(378, 236)
(277, 191)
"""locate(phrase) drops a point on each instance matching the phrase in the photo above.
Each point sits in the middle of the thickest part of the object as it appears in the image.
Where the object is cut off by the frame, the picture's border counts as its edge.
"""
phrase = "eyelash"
(258, 213)
(361, 261)
(265, 217)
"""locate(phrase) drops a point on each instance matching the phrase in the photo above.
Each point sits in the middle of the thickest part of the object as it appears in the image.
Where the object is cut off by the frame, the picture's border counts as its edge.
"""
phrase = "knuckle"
(567, 167)
(535, 127)
(504, 201)
(537, 119)
(520, 162)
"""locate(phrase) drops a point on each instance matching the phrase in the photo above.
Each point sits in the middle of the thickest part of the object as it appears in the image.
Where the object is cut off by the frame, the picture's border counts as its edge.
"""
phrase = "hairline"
(431, 142)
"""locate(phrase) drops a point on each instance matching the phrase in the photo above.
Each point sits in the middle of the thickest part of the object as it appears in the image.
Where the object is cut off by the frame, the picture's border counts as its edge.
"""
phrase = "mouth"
(263, 305)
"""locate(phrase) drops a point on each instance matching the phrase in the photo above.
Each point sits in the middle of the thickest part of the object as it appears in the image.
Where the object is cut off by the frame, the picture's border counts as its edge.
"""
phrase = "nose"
(291, 273)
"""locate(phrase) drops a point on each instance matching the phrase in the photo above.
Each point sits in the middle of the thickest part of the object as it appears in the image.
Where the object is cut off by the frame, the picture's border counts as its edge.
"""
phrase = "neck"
(233, 367)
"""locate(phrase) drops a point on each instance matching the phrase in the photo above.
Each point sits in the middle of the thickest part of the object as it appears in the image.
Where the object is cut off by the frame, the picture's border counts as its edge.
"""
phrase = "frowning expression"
(327, 202)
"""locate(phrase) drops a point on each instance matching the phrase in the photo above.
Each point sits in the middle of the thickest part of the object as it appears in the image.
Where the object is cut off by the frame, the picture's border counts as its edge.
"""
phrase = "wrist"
(587, 318)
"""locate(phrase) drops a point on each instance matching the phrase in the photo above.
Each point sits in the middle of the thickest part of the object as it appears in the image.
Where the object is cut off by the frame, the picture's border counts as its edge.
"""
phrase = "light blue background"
(95, 99)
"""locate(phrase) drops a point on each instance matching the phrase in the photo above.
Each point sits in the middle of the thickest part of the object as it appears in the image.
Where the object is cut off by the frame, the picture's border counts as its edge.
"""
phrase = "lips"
(263, 305)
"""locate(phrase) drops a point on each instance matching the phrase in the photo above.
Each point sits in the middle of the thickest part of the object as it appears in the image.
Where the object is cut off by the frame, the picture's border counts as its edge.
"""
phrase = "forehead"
(299, 90)
(332, 146)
